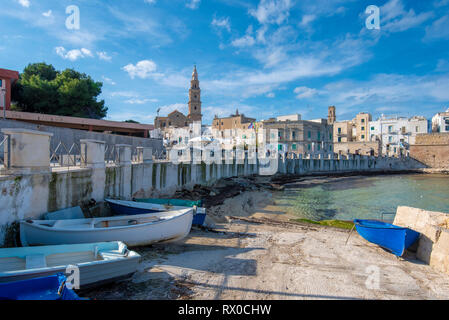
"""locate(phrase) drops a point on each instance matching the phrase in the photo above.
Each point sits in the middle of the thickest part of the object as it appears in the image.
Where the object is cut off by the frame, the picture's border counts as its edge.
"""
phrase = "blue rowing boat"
(45, 288)
(393, 238)
(198, 218)
(126, 208)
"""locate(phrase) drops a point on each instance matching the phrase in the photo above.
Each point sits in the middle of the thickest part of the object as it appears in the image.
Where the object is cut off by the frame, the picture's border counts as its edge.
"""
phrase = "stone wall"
(432, 139)
(431, 150)
(363, 148)
(433, 246)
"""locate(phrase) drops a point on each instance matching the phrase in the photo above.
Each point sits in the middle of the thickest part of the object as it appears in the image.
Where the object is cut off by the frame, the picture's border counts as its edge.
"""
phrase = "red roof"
(9, 74)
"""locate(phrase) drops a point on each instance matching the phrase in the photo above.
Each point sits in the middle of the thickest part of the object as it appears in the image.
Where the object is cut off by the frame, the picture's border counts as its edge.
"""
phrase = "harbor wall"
(29, 187)
(433, 246)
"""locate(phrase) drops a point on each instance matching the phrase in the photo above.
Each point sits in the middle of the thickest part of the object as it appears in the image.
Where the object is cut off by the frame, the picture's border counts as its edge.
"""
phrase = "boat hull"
(44, 288)
(393, 238)
(92, 273)
(169, 230)
(199, 216)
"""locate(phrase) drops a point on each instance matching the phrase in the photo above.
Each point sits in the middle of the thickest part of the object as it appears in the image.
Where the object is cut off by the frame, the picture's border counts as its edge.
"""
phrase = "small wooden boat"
(69, 213)
(137, 230)
(141, 206)
(128, 208)
(393, 238)
(45, 288)
(199, 216)
(98, 263)
(172, 202)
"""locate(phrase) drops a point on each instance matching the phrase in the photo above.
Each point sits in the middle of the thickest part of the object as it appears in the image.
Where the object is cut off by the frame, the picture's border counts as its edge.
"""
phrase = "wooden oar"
(353, 227)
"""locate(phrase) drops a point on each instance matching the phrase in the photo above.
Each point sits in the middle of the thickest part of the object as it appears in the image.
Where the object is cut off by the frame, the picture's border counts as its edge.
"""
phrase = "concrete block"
(27, 150)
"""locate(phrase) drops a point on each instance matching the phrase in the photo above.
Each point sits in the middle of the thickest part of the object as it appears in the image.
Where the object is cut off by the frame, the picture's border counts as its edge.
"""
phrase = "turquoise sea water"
(366, 197)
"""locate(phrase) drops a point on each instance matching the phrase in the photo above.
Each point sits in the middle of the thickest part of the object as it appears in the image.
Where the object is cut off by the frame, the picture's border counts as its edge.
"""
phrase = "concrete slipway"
(261, 258)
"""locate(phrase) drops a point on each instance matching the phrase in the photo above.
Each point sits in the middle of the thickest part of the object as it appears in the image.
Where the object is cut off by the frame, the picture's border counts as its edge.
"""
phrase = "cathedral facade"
(177, 119)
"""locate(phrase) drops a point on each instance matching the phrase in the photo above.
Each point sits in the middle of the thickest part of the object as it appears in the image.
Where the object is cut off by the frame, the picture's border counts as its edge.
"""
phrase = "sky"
(264, 57)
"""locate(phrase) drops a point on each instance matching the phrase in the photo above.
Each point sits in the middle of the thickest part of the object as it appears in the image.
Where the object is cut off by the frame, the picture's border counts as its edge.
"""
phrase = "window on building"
(319, 135)
(309, 134)
(293, 135)
(1, 83)
(339, 130)
(416, 129)
(330, 136)
(280, 147)
(309, 147)
(363, 121)
(447, 128)
(294, 146)
(169, 123)
(330, 148)
(363, 136)
(390, 128)
(372, 128)
(339, 139)
(363, 128)
(319, 147)
(390, 139)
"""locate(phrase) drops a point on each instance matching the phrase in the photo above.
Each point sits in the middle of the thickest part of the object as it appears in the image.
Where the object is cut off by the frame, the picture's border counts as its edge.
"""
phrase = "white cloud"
(270, 95)
(143, 69)
(193, 4)
(389, 89)
(438, 30)
(272, 11)
(47, 14)
(307, 19)
(104, 56)
(150, 1)
(124, 94)
(24, 3)
(166, 109)
(74, 54)
(305, 92)
(245, 41)
(222, 23)
(395, 18)
(109, 80)
(140, 101)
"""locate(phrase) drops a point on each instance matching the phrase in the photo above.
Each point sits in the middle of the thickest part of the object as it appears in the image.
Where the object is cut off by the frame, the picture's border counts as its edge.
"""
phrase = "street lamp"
(3, 96)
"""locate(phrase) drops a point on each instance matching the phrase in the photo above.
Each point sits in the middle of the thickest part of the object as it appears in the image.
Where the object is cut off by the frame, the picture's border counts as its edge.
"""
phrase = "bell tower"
(195, 98)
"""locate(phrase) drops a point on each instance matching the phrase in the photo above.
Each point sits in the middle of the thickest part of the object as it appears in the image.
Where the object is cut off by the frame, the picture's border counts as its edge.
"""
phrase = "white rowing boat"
(136, 230)
(97, 262)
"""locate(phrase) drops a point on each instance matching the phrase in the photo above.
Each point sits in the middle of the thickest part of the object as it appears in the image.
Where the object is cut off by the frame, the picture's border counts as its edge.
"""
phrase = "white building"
(290, 117)
(397, 133)
(440, 122)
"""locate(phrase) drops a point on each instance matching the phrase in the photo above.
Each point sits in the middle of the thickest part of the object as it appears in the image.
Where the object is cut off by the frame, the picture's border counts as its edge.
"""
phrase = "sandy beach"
(252, 250)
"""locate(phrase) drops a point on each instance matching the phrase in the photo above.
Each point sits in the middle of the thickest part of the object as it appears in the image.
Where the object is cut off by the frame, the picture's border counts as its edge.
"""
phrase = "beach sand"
(263, 255)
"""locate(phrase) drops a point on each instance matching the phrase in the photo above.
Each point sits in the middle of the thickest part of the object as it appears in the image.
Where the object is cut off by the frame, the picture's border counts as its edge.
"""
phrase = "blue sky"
(264, 57)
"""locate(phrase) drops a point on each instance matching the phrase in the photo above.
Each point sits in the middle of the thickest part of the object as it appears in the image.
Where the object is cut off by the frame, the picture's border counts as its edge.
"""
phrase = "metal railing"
(110, 154)
(4, 157)
(160, 155)
(62, 156)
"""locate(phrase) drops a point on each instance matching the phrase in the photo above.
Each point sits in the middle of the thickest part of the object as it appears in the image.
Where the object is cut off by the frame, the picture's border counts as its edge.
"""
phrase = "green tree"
(42, 89)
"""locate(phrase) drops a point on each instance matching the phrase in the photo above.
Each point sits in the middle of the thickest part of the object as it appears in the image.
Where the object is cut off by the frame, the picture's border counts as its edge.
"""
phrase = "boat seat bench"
(36, 261)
